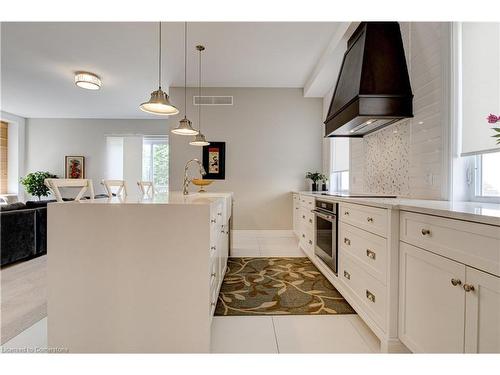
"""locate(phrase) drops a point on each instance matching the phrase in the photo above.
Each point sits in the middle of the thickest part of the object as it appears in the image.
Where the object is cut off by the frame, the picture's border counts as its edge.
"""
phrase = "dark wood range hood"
(373, 88)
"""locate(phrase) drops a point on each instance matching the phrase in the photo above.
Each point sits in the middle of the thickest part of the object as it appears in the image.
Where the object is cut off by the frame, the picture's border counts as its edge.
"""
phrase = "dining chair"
(147, 188)
(119, 184)
(55, 184)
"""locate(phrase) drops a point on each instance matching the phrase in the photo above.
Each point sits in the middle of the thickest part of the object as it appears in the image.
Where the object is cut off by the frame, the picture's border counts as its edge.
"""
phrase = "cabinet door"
(432, 309)
(482, 318)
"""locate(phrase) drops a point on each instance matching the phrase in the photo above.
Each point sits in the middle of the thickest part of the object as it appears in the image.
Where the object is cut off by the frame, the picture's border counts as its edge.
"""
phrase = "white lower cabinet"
(482, 318)
(446, 306)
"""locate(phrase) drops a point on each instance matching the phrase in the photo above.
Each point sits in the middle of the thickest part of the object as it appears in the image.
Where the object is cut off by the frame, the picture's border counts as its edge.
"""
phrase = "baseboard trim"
(263, 233)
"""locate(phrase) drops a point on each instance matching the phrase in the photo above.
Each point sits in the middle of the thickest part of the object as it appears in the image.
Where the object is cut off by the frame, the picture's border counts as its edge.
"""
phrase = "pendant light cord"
(159, 57)
(199, 95)
(185, 69)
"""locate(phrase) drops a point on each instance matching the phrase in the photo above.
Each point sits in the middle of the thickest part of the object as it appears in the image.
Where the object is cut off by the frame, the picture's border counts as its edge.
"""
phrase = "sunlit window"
(155, 162)
(488, 175)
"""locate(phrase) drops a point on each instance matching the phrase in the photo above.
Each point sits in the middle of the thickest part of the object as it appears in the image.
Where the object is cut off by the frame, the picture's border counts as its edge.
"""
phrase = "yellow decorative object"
(201, 183)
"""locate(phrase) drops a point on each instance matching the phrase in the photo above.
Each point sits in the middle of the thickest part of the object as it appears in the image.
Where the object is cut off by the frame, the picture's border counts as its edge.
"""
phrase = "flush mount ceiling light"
(199, 139)
(184, 127)
(88, 81)
(159, 104)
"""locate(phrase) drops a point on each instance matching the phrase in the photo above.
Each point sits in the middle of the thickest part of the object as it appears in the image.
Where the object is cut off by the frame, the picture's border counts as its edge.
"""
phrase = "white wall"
(16, 156)
(273, 137)
(48, 141)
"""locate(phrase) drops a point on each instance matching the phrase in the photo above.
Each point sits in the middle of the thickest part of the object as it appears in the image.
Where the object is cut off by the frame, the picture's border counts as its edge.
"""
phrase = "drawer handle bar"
(456, 282)
(370, 296)
(369, 219)
(347, 241)
(303, 216)
(347, 275)
(469, 287)
(426, 232)
(310, 242)
(371, 254)
(346, 213)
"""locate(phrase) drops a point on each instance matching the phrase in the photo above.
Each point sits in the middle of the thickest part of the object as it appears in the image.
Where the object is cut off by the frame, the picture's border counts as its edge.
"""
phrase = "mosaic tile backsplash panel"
(386, 166)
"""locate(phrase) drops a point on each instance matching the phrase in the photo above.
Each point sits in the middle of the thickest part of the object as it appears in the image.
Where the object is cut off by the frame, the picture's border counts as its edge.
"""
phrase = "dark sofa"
(23, 231)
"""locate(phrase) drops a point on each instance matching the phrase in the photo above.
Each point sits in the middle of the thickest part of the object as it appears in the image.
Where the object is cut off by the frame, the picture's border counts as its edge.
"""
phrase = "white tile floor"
(262, 334)
(287, 334)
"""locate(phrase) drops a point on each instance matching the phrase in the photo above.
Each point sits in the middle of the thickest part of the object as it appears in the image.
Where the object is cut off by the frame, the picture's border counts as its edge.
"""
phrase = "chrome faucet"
(186, 178)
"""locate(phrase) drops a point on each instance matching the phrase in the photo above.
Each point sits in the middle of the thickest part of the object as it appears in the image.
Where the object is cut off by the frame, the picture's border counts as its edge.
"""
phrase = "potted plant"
(34, 183)
(315, 177)
(323, 182)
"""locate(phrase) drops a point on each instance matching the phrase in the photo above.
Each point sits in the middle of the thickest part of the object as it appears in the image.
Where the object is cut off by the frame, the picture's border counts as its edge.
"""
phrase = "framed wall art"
(214, 161)
(74, 167)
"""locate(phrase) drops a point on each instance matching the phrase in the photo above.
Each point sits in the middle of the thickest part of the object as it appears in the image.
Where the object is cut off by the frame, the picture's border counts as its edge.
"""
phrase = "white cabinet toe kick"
(421, 282)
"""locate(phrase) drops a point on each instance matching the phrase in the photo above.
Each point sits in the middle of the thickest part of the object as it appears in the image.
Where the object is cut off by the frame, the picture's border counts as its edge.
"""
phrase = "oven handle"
(324, 216)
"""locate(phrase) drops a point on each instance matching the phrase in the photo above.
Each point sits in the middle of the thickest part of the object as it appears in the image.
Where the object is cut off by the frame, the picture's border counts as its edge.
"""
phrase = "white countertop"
(487, 213)
(173, 197)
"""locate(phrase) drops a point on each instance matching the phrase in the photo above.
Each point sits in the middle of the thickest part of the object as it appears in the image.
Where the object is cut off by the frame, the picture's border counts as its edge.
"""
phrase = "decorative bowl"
(201, 183)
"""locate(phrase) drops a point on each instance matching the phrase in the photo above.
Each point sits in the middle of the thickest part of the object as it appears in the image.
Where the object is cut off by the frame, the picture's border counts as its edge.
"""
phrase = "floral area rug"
(278, 286)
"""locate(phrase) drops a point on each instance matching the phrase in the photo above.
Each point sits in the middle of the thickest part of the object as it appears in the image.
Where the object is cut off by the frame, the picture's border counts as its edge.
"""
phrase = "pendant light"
(159, 104)
(184, 127)
(199, 139)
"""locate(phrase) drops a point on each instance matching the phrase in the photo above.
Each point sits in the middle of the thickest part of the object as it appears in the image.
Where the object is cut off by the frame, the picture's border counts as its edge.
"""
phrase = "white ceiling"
(38, 61)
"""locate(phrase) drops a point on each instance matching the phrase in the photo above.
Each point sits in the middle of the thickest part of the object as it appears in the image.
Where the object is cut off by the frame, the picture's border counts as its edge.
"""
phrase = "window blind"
(340, 154)
(480, 83)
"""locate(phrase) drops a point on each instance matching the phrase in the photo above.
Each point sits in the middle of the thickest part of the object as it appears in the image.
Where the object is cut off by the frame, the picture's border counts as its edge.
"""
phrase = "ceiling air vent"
(212, 100)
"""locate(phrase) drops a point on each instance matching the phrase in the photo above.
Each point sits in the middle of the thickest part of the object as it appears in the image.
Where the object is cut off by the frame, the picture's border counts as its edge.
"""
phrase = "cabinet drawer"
(370, 292)
(473, 244)
(369, 249)
(306, 218)
(306, 201)
(372, 219)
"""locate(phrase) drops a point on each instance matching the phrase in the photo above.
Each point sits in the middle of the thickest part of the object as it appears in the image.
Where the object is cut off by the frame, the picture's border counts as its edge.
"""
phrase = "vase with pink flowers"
(492, 119)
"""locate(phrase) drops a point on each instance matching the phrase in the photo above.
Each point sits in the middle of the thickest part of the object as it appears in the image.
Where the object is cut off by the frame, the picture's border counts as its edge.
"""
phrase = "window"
(487, 176)
(155, 162)
(4, 162)
(339, 171)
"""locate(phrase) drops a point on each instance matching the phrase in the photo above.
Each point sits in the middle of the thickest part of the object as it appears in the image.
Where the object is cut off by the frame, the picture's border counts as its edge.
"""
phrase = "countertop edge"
(419, 208)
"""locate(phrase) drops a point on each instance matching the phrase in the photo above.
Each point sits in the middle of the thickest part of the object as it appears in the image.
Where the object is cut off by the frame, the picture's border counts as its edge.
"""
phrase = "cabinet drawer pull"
(346, 213)
(456, 282)
(426, 232)
(469, 288)
(213, 248)
(311, 220)
(303, 235)
(370, 296)
(303, 216)
(213, 221)
(296, 208)
(369, 219)
(371, 254)
(213, 274)
(212, 303)
(347, 275)
(310, 242)
(347, 241)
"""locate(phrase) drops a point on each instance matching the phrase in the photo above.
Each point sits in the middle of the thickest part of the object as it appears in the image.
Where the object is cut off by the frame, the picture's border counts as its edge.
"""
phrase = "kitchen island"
(136, 274)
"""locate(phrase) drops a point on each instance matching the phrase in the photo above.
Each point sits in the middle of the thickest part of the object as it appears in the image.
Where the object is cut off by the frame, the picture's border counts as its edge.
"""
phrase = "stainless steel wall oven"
(326, 232)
